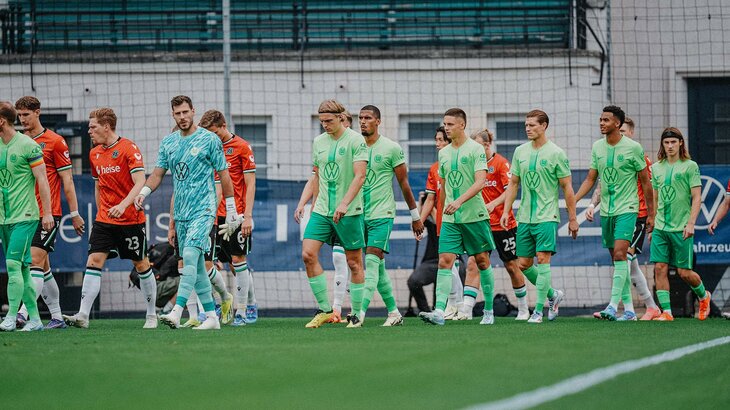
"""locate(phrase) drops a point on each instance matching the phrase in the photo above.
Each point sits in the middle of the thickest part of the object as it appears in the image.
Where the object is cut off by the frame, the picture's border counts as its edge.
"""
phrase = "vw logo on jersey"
(6, 178)
(331, 171)
(181, 171)
(667, 193)
(610, 175)
(532, 180)
(712, 194)
(369, 177)
(455, 179)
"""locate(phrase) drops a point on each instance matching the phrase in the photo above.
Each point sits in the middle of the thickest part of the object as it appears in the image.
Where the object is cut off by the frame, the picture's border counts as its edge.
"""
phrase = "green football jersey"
(539, 171)
(457, 167)
(17, 182)
(617, 166)
(674, 183)
(383, 157)
(334, 161)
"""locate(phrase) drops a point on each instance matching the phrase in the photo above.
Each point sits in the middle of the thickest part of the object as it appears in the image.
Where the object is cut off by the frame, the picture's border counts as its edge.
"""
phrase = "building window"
(709, 120)
(418, 143)
(508, 135)
(254, 130)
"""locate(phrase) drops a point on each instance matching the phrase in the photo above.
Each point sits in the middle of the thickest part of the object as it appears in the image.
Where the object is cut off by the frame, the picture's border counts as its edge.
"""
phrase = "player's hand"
(712, 227)
(490, 207)
(171, 234)
(504, 220)
(452, 207)
(299, 214)
(117, 210)
(417, 227)
(573, 228)
(689, 231)
(78, 224)
(232, 223)
(247, 226)
(339, 213)
(138, 201)
(589, 213)
(48, 223)
(649, 224)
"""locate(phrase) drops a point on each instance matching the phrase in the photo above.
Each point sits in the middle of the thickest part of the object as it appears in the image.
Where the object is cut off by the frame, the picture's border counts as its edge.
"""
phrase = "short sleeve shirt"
(240, 160)
(540, 171)
(17, 182)
(383, 157)
(112, 168)
(193, 161)
(617, 166)
(334, 161)
(457, 167)
(673, 183)
(498, 176)
(56, 158)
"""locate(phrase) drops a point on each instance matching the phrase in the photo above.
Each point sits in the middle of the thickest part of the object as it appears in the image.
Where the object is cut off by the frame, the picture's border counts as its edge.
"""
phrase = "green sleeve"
(397, 156)
(442, 174)
(480, 159)
(359, 150)
(639, 162)
(515, 162)
(314, 155)
(594, 161)
(562, 169)
(654, 178)
(694, 176)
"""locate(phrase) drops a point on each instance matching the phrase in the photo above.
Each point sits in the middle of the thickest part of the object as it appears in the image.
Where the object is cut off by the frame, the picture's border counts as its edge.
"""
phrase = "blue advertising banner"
(277, 237)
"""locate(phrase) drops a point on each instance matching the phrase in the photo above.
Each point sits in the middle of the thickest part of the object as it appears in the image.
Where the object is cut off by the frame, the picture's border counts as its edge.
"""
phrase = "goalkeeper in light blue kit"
(192, 154)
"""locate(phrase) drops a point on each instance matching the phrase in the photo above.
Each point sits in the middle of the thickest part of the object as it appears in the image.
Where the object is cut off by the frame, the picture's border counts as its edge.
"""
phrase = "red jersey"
(56, 158)
(433, 186)
(112, 168)
(239, 157)
(498, 176)
(643, 212)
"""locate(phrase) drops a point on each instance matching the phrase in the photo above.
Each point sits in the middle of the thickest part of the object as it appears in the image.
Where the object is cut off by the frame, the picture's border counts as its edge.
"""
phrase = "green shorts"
(17, 239)
(670, 248)
(472, 238)
(377, 233)
(533, 238)
(617, 228)
(349, 230)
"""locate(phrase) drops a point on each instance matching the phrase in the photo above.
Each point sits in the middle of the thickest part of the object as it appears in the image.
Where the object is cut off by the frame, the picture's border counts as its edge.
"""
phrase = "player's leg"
(682, 259)
(203, 287)
(373, 256)
(342, 277)
(378, 238)
(90, 287)
(471, 289)
(424, 274)
(479, 242)
(16, 240)
(617, 232)
(544, 235)
(637, 275)
(52, 297)
(486, 276)
(217, 278)
(507, 249)
(456, 296)
(148, 285)
(318, 231)
(239, 265)
(350, 231)
(41, 241)
(660, 256)
(131, 243)
(385, 288)
(451, 244)
(252, 308)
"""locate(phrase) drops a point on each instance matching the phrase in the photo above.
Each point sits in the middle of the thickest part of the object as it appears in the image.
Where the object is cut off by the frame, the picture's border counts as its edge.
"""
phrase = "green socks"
(356, 297)
(443, 288)
(699, 290)
(319, 289)
(385, 288)
(531, 275)
(626, 295)
(20, 288)
(372, 268)
(663, 296)
(620, 274)
(487, 280)
(543, 285)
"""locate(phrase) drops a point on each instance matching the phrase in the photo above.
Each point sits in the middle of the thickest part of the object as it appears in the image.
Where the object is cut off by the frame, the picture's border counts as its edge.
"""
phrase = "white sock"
(521, 300)
(148, 285)
(341, 276)
(51, 295)
(469, 301)
(251, 293)
(168, 306)
(177, 311)
(639, 280)
(242, 283)
(456, 296)
(89, 290)
(192, 306)
(219, 284)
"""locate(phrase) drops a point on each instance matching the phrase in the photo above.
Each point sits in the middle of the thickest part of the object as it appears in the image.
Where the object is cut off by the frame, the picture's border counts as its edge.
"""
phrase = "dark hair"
(28, 103)
(443, 132)
(541, 116)
(628, 121)
(180, 100)
(456, 112)
(8, 112)
(673, 132)
(617, 112)
(372, 108)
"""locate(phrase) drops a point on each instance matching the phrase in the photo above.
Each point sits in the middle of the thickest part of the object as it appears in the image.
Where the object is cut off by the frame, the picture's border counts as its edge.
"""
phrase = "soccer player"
(637, 242)
(721, 211)
(234, 250)
(21, 168)
(193, 154)
(434, 200)
(465, 223)
(493, 193)
(540, 166)
(342, 272)
(119, 228)
(385, 160)
(677, 194)
(58, 169)
(619, 160)
(339, 156)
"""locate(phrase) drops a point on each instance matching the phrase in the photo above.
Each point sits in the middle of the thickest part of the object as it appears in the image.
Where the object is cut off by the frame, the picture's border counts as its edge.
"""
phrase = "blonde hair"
(331, 107)
(105, 116)
(484, 134)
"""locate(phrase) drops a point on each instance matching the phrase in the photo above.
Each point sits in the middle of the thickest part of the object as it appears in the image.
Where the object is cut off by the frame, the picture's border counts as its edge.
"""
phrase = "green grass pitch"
(277, 363)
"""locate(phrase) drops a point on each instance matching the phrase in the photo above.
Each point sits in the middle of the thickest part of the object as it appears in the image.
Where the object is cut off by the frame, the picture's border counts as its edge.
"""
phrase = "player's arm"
(360, 168)
(249, 178)
(689, 229)
(595, 200)
(567, 186)
(69, 189)
(117, 210)
(648, 198)
(479, 177)
(721, 212)
(428, 206)
(96, 193)
(587, 184)
(401, 174)
(39, 172)
(171, 226)
(509, 199)
(307, 194)
(149, 186)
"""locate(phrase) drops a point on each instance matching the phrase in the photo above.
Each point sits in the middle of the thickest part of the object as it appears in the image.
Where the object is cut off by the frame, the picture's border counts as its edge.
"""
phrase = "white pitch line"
(584, 381)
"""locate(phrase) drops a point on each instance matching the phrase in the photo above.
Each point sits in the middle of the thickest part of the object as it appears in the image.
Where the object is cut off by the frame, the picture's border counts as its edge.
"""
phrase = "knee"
(95, 260)
(309, 257)
(190, 255)
(685, 274)
(354, 263)
(14, 267)
(446, 261)
(141, 266)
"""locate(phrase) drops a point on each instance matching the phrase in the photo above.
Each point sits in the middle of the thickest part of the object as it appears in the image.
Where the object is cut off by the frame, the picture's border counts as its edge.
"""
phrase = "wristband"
(73, 214)
(145, 191)
(592, 205)
(415, 216)
(231, 206)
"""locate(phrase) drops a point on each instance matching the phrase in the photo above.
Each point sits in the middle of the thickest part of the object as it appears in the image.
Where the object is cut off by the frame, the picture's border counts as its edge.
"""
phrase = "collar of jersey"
(41, 133)
(113, 144)
(231, 139)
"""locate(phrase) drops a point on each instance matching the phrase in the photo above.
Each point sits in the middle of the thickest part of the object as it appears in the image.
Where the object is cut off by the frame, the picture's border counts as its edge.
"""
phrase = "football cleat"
(435, 318)
(252, 313)
(354, 321)
(704, 306)
(8, 325)
(239, 321)
(554, 304)
(450, 312)
(32, 326)
(609, 313)
(210, 323)
(172, 320)
(535, 318)
(651, 314)
(76, 321)
(393, 319)
(597, 315)
(320, 317)
(194, 322)
(488, 318)
(56, 324)
(628, 316)
(226, 309)
(150, 322)
(461, 316)
(665, 317)
(523, 314)
(20, 320)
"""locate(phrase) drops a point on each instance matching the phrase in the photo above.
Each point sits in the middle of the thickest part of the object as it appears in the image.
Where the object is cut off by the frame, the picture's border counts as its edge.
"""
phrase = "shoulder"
(53, 136)
(556, 150)
(319, 138)
(128, 144)
(95, 150)
(599, 143)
